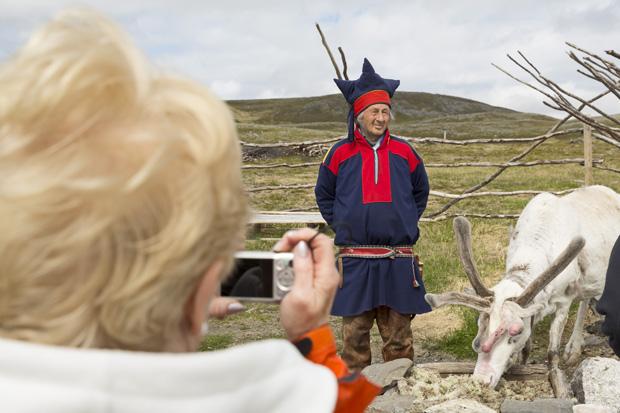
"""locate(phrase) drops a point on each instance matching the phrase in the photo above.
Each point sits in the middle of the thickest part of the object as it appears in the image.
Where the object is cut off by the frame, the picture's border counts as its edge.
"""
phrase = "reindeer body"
(545, 228)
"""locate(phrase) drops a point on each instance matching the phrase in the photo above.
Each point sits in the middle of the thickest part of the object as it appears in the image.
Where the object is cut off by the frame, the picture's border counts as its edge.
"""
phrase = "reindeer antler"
(453, 297)
(462, 230)
(556, 267)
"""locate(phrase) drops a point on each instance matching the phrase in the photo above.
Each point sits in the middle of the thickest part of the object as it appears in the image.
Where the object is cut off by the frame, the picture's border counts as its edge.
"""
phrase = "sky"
(245, 49)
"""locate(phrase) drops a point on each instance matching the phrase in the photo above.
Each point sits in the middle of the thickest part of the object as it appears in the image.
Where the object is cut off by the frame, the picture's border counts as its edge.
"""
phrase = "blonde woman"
(121, 204)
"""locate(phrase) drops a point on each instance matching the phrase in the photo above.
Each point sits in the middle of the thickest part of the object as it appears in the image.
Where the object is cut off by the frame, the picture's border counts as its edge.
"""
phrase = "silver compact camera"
(259, 276)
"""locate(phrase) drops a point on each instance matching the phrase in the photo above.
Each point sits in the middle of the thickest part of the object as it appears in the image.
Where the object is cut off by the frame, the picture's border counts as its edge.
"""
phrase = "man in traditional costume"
(372, 189)
(608, 305)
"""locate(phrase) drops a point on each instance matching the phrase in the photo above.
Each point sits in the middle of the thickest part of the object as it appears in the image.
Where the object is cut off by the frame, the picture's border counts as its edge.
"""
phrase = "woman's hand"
(308, 304)
(221, 307)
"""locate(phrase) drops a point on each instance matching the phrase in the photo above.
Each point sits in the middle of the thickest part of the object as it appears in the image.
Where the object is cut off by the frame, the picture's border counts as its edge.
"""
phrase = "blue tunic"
(374, 197)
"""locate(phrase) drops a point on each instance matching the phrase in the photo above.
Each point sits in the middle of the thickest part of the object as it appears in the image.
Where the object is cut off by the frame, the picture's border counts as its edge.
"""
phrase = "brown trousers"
(395, 330)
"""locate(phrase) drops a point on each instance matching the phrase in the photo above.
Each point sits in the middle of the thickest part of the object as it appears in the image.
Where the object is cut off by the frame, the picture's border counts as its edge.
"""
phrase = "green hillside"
(416, 113)
(333, 108)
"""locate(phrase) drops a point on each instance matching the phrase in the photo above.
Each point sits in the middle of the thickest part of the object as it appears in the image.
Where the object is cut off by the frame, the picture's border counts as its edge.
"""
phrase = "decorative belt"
(375, 251)
(378, 252)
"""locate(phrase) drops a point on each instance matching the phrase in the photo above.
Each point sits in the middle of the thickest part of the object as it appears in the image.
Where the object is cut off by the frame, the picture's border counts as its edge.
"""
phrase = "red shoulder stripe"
(341, 154)
(404, 150)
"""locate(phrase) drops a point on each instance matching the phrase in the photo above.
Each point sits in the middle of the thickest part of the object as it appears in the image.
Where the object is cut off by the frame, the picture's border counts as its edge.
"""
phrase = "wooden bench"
(261, 219)
(308, 218)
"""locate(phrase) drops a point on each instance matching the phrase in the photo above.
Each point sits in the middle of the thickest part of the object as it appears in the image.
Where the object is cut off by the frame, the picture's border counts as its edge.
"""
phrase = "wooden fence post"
(587, 154)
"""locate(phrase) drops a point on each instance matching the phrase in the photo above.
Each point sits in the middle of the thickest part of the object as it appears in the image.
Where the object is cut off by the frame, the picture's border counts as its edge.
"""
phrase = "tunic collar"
(383, 141)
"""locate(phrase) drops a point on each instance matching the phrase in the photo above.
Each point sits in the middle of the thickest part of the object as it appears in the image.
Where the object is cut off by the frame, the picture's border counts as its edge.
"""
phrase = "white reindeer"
(541, 278)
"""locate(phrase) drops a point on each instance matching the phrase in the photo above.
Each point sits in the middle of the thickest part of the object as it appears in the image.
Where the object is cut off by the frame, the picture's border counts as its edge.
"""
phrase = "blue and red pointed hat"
(368, 90)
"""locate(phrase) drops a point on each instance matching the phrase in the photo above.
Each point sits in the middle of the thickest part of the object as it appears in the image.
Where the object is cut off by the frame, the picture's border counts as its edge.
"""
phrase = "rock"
(596, 382)
(593, 408)
(459, 406)
(537, 406)
(394, 403)
(384, 373)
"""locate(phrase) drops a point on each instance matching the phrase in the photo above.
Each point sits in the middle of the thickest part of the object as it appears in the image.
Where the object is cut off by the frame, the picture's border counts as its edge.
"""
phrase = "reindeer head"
(504, 324)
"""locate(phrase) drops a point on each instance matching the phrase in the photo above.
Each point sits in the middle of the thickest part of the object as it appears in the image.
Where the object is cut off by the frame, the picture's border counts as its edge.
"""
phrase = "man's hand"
(309, 302)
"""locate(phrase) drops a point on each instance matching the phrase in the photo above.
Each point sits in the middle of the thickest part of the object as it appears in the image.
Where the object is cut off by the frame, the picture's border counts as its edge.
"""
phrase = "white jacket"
(267, 376)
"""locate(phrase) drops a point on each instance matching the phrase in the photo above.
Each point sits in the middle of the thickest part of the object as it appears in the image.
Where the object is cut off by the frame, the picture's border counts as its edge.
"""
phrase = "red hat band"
(370, 98)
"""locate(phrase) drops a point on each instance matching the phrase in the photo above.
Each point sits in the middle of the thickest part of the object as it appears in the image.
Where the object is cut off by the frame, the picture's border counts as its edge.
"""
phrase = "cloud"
(229, 88)
(245, 49)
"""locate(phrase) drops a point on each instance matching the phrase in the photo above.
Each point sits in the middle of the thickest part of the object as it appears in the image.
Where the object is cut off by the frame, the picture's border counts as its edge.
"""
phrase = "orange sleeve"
(355, 392)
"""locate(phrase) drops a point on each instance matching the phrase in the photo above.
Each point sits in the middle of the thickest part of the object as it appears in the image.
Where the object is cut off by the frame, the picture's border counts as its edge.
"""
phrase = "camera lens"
(284, 275)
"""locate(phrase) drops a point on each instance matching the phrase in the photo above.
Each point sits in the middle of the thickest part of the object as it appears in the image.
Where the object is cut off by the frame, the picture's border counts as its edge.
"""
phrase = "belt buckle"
(392, 253)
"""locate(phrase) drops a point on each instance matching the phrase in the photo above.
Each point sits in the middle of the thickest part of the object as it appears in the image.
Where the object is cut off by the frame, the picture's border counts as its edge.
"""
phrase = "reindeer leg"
(593, 303)
(556, 376)
(527, 349)
(572, 351)
(525, 353)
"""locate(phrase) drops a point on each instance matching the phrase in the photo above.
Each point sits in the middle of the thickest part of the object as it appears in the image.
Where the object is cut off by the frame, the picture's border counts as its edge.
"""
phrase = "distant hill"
(333, 108)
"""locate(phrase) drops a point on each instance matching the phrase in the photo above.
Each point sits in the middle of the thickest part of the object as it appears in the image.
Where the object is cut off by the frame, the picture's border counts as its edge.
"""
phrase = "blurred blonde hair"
(120, 186)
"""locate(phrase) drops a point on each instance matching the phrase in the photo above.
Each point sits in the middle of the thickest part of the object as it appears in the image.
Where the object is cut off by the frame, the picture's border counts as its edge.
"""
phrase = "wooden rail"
(516, 372)
(579, 161)
(313, 218)
(432, 140)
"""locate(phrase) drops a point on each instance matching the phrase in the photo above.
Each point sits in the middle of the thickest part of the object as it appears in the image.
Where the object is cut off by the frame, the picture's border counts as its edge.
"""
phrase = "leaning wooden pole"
(329, 52)
(344, 63)
(587, 154)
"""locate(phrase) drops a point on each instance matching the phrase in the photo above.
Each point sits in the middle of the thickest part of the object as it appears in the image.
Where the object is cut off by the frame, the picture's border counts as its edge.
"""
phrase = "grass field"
(273, 122)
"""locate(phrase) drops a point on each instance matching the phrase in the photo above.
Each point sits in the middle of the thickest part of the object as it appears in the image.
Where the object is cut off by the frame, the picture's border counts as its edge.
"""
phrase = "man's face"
(375, 119)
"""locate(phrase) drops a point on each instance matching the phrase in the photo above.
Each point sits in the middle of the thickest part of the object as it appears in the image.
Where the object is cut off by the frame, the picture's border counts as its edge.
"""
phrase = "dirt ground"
(260, 321)
(426, 388)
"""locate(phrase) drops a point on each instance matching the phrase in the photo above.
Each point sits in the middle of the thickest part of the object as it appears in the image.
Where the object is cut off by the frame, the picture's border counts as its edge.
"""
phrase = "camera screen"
(251, 278)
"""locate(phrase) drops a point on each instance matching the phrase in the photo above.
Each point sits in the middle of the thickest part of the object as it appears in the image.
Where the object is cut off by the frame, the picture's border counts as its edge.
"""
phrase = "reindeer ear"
(531, 310)
(524, 312)
(515, 328)
(469, 290)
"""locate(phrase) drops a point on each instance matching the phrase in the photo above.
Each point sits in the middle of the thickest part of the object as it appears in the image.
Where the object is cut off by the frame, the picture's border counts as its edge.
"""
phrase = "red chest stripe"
(382, 190)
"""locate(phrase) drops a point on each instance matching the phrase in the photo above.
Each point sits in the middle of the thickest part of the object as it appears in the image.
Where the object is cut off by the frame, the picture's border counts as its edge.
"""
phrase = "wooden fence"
(303, 216)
